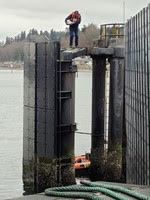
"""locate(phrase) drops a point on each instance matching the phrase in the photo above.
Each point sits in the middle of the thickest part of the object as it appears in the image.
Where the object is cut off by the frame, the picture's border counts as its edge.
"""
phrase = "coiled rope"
(109, 190)
(124, 190)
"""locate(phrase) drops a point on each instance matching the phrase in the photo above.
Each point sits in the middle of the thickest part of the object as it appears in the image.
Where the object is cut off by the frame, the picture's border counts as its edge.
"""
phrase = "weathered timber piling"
(98, 98)
(39, 138)
(49, 114)
(103, 164)
(98, 156)
(49, 122)
(116, 100)
(66, 114)
(66, 121)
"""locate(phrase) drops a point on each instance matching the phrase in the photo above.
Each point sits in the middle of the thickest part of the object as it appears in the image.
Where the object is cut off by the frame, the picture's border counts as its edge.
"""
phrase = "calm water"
(11, 133)
(83, 112)
(11, 127)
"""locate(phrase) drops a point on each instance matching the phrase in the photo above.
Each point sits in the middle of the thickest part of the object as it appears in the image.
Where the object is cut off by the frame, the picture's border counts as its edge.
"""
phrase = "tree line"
(12, 48)
(34, 35)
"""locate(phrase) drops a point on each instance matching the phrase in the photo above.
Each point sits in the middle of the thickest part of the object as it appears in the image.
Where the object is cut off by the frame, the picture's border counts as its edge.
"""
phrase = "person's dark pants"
(74, 32)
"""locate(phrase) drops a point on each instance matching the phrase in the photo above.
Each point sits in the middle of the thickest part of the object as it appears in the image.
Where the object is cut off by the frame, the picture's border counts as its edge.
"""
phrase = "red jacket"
(73, 18)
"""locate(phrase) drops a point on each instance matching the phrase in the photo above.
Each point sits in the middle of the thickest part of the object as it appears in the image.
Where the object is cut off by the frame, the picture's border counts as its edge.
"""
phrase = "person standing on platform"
(73, 20)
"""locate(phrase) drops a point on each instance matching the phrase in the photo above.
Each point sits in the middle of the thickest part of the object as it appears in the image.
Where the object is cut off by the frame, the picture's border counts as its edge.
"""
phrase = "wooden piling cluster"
(49, 113)
(104, 161)
(49, 116)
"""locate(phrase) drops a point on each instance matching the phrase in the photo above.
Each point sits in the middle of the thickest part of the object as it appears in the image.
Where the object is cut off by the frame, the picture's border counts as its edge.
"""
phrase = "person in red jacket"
(73, 20)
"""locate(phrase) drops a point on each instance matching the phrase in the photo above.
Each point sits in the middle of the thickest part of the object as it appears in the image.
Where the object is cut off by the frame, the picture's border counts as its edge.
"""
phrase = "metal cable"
(84, 133)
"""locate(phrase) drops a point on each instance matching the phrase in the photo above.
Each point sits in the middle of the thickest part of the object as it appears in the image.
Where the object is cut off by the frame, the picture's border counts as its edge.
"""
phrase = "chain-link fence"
(137, 97)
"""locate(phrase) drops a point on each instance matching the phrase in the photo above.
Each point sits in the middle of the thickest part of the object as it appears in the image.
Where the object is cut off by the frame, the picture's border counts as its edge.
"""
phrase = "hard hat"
(76, 12)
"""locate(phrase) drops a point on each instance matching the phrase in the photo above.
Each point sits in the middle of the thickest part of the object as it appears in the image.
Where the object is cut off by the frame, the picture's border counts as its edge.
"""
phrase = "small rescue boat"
(82, 162)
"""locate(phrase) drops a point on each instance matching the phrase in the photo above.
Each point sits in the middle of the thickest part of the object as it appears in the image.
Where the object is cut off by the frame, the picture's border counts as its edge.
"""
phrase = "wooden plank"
(72, 53)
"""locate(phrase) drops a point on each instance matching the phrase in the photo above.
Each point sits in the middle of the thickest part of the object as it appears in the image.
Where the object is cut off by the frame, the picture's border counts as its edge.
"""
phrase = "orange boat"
(82, 162)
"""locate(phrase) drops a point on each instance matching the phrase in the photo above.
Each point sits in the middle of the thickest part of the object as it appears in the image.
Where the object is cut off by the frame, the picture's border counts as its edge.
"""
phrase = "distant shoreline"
(84, 70)
(19, 68)
(6, 68)
(19, 65)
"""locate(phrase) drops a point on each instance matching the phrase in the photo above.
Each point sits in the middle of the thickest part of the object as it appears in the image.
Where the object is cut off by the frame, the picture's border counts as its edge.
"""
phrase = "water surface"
(11, 127)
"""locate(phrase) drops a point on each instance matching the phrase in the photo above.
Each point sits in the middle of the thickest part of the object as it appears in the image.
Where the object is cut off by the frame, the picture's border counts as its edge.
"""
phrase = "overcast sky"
(17, 15)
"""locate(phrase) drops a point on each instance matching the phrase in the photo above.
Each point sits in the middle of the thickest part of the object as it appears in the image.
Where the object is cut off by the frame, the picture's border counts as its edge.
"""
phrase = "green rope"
(106, 189)
(118, 189)
(80, 195)
(62, 191)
